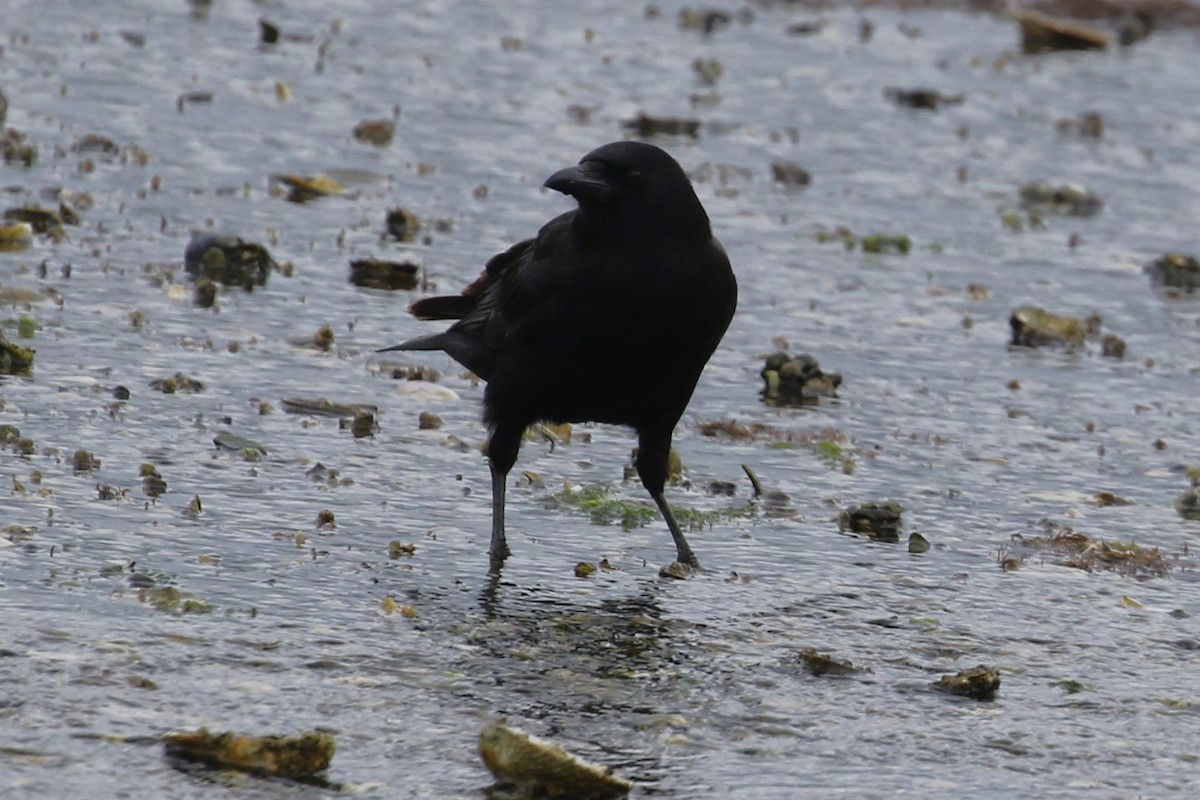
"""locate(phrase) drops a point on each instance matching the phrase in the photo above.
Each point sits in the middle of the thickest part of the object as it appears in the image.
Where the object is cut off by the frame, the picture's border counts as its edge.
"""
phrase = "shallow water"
(691, 688)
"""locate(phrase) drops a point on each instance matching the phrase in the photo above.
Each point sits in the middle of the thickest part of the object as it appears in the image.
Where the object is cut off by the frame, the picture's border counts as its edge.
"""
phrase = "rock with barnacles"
(819, 664)
(796, 380)
(978, 683)
(15, 237)
(229, 260)
(1176, 270)
(302, 188)
(1035, 327)
(790, 173)
(292, 757)
(540, 768)
(402, 224)
(13, 357)
(1063, 199)
(1188, 503)
(46, 221)
(379, 273)
(378, 132)
(880, 521)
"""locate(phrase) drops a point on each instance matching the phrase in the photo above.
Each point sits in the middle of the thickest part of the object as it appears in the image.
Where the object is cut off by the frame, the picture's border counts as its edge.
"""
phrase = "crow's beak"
(585, 182)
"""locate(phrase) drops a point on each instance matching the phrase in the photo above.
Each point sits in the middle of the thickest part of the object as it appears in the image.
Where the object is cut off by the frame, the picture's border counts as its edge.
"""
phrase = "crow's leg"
(653, 452)
(502, 454)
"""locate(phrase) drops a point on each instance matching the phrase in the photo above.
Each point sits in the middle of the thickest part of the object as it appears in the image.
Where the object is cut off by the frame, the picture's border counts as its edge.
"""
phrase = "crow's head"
(631, 179)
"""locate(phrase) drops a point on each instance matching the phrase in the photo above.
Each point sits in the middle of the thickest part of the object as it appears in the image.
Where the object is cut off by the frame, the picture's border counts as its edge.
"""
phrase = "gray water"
(693, 689)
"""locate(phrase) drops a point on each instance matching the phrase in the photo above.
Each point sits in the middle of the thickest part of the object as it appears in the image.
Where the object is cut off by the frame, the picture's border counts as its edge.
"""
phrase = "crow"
(608, 315)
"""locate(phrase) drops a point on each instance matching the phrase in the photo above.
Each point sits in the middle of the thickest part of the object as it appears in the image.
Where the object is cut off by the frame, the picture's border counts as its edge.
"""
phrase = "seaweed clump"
(1069, 548)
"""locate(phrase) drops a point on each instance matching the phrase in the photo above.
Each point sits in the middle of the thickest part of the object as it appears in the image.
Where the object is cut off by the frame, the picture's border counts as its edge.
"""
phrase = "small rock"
(378, 273)
(879, 521)
(228, 260)
(796, 380)
(1090, 125)
(978, 683)
(926, 99)
(820, 664)
(790, 174)
(1066, 199)
(1112, 346)
(543, 769)
(403, 224)
(85, 461)
(377, 132)
(1176, 270)
(647, 126)
(1034, 327)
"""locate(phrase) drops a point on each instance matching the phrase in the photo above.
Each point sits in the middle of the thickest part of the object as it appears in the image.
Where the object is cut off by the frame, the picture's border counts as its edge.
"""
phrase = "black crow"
(608, 315)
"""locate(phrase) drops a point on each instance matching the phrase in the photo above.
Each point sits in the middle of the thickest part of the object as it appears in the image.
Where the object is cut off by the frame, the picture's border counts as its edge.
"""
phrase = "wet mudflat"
(227, 601)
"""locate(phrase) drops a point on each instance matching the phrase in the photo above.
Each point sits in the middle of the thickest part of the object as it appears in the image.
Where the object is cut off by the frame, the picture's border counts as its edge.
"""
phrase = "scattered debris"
(1068, 548)
(200, 97)
(706, 20)
(708, 70)
(807, 27)
(16, 149)
(896, 244)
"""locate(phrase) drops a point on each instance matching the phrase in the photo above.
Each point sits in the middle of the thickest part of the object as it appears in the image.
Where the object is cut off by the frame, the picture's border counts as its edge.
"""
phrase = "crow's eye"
(634, 175)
